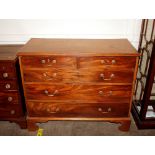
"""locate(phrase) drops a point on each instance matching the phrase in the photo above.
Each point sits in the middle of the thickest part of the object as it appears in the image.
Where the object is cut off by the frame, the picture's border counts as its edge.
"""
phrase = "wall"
(20, 31)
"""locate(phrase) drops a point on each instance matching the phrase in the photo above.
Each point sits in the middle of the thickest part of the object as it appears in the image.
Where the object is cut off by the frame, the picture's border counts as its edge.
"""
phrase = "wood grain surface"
(78, 79)
(79, 93)
(77, 110)
(87, 47)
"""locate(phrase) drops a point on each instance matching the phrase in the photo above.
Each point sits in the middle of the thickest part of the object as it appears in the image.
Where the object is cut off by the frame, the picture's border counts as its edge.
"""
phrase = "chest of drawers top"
(9, 52)
(79, 47)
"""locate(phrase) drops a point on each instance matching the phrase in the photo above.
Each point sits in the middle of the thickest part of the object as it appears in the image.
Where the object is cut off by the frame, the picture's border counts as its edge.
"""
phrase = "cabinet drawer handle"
(10, 98)
(54, 61)
(113, 61)
(110, 93)
(101, 93)
(54, 93)
(104, 61)
(43, 61)
(12, 112)
(7, 86)
(107, 61)
(48, 77)
(5, 75)
(104, 112)
(111, 76)
(53, 111)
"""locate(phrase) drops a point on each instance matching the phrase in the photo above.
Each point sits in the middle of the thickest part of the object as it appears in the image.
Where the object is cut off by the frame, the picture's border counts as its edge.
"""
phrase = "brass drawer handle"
(104, 61)
(113, 61)
(54, 93)
(110, 93)
(53, 111)
(104, 112)
(111, 77)
(12, 112)
(43, 61)
(48, 77)
(101, 93)
(10, 98)
(7, 86)
(54, 61)
(108, 61)
(5, 75)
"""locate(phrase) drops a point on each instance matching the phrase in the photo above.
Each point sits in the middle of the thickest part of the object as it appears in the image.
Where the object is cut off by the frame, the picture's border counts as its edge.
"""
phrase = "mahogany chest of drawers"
(78, 79)
(11, 104)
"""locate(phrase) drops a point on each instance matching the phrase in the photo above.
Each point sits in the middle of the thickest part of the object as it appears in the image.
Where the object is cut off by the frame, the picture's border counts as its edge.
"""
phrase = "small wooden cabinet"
(11, 96)
(78, 79)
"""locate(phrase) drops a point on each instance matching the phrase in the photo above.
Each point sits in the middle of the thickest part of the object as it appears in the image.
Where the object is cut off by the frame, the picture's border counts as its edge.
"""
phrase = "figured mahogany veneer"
(50, 75)
(78, 93)
(49, 61)
(112, 75)
(78, 79)
(102, 62)
(78, 110)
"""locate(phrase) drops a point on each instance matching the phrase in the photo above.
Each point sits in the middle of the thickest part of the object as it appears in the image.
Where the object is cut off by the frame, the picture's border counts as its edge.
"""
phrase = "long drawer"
(45, 109)
(106, 75)
(78, 93)
(9, 98)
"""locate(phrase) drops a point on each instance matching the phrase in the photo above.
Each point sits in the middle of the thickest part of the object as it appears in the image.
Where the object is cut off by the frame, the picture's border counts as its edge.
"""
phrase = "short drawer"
(8, 75)
(89, 110)
(48, 61)
(100, 62)
(106, 75)
(9, 98)
(10, 111)
(78, 93)
(50, 75)
(7, 66)
(8, 86)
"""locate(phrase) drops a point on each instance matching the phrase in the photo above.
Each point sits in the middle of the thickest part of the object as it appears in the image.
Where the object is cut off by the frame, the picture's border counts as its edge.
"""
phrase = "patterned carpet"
(74, 128)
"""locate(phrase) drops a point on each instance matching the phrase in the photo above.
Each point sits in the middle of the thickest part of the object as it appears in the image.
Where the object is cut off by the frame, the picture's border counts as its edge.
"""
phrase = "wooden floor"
(74, 128)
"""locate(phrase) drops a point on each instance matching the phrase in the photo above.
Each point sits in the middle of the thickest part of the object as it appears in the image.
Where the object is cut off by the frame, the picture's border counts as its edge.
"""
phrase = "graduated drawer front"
(50, 75)
(45, 109)
(78, 93)
(7, 66)
(111, 75)
(9, 98)
(7, 75)
(8, 86)
(106, 75)
(49, 61)
(10, 111)
(100, 62)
